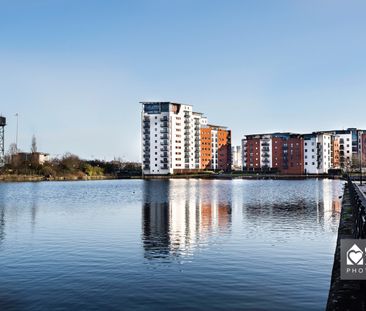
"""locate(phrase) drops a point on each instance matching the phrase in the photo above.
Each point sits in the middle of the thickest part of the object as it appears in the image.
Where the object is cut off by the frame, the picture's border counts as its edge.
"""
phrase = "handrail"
(358, 202)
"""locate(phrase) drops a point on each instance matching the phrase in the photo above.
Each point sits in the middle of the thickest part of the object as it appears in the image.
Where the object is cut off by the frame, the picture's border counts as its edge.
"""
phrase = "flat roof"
(218, 126)
(162, 102)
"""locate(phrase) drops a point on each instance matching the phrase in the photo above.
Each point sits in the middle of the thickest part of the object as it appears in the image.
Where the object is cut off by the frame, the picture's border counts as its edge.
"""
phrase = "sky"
(76, 70)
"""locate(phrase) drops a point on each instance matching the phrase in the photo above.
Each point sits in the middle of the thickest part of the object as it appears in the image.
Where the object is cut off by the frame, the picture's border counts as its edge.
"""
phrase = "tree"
(70, 162)
(34, 144)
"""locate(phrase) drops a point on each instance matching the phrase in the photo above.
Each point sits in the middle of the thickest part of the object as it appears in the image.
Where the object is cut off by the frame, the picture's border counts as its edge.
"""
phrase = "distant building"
(236, 157)
(35, 158)
(319, 151)
(175, 139)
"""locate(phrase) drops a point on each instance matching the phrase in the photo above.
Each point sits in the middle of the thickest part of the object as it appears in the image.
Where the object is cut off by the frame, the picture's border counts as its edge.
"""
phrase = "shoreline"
(37, 178)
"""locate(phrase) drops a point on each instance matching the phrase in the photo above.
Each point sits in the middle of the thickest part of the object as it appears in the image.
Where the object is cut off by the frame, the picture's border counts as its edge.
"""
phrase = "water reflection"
(179, 216)
(2, 215)
(34, 204)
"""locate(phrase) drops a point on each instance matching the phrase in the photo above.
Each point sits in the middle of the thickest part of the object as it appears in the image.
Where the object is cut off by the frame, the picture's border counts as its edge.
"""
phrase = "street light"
(361, 147)
(16, 136)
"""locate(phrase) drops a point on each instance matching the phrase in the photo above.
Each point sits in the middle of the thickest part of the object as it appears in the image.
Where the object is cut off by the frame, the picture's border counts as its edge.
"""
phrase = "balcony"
(164, 124)
(265, 149)
(164, 136)
(265, 144)
(164, 167)
(164, 131)
(164, 119)
(164, 143)
(164, 149)
(165, 161)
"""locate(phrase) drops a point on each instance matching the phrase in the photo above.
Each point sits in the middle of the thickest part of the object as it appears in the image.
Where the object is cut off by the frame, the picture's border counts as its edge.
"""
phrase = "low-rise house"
(35, 158)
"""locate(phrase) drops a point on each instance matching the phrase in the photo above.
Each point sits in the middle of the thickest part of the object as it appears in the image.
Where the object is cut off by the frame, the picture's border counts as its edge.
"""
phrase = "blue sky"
(75, 70)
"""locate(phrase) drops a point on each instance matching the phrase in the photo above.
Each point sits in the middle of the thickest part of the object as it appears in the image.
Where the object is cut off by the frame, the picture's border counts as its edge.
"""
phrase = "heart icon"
(355, 256)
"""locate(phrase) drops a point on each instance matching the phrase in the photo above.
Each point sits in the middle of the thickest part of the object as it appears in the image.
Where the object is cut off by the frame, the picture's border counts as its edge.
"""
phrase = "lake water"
(168, 245)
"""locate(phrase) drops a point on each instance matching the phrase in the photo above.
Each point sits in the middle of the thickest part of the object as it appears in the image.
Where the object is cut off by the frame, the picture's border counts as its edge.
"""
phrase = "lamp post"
(361, 149)
(16, 135)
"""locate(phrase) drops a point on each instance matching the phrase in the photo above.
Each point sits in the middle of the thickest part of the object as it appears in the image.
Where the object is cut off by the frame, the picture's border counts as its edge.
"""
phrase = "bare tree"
(34, 144)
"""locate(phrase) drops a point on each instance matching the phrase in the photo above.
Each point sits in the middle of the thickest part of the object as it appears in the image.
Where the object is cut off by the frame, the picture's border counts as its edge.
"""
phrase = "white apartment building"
(236, 156)
(345, 149)
(266, 152)
(170, 137)
(167, 137)
(317, 153)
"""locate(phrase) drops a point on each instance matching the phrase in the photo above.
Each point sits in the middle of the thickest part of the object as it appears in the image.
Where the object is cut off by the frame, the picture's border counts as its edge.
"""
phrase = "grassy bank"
(28, 178)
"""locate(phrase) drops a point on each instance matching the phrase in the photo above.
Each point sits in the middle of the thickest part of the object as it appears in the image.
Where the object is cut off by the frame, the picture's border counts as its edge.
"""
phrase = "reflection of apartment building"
(175, 227)
(175, 139)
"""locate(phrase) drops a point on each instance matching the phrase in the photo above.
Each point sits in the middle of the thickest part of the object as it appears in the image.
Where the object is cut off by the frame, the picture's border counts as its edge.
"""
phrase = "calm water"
(167, 245)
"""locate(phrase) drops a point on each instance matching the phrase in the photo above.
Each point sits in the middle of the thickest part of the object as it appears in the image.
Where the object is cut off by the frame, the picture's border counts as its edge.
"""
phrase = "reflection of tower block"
(2, 148)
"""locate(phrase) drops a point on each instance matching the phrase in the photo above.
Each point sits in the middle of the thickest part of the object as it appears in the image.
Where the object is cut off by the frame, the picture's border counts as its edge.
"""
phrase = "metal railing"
(358, 202)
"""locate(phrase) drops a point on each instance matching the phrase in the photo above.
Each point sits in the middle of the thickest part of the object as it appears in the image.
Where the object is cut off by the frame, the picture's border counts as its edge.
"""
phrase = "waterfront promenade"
(347, 294)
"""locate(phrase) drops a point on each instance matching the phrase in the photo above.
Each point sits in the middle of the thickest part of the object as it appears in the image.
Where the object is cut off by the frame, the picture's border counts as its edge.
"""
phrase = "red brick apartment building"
(215, 148)
(252, 153)
(288, 154)
(279, 152)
